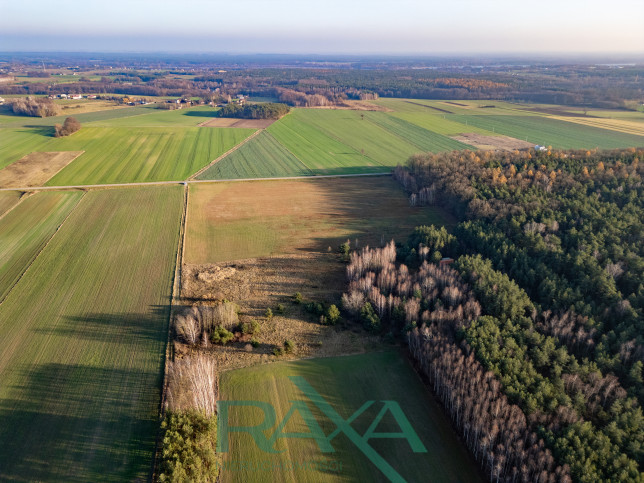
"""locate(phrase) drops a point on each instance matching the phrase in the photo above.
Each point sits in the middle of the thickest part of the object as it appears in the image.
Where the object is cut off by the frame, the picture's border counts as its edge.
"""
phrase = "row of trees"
(35, 107)
(436, 306)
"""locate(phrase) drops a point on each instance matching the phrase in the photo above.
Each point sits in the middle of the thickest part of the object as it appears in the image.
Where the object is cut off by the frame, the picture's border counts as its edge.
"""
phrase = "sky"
(426, 27)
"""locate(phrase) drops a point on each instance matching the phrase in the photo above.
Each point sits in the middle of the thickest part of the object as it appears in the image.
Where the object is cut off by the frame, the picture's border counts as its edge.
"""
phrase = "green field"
(346, 383)
(26, 229)
(15, 143)
(319, 152)
(123, 155)
(261, 157)
(553, 132)
(230, 221)
(84, 334)
(363, 136)
(426, 140)
(8, 199)
(162, 118)
(116, 113)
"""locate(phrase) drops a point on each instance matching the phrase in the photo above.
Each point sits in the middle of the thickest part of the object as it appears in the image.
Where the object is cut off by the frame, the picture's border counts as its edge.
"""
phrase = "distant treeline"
(269, 110)
(591, 86)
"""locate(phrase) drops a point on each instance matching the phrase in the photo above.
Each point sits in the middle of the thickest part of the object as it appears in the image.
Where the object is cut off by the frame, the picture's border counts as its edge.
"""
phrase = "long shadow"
(46, 131)
(87, 410)
(212, 113)
(69, 422)
(116, 328)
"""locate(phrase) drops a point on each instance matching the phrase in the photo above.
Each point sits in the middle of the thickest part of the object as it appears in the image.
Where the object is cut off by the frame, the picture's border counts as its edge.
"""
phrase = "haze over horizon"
(336, 27)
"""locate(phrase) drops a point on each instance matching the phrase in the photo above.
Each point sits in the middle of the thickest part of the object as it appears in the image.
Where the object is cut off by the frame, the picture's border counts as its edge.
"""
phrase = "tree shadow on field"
(120, 328)
(212, 113)
(45, 131)
(73, 422)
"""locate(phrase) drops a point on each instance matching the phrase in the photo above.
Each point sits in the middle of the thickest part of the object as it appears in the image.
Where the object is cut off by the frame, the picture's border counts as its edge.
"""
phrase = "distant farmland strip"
(117, 113)
(161, 118)
(363, 136)
(424, 139)
(122, 155)
(620, 125)
(318, 151)
(261, 157)
(552, 132)
(26, 229)
(83, 339)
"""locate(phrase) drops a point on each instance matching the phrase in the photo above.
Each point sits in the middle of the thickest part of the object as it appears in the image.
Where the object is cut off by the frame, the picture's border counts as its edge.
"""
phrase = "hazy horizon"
(460, 27)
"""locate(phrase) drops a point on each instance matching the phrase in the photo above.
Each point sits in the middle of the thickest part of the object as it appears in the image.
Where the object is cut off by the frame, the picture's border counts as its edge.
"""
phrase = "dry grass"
(239, 123)
(230, 221)
(481, 141)
(619, 125)
(35, 169)
(256, 284)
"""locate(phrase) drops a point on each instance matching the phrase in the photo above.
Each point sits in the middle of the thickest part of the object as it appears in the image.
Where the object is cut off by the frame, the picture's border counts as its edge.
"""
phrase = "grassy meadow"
(83, 342)
(346, 383)
(230, 221)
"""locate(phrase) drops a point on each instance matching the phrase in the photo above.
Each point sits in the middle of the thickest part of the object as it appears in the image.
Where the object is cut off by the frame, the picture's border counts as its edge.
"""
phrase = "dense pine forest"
(532, 337)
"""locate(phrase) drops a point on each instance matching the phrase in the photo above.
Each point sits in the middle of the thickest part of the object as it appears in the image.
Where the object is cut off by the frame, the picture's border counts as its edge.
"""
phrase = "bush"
(289, 346)
(254, 342)
(70, 126)
(369, 318)
(280, 308)
(268, 314)
(297, 298)
(221, 336)
(188, 448)
(278, 351)
(251, 327)
(315, 308)
(333, 314)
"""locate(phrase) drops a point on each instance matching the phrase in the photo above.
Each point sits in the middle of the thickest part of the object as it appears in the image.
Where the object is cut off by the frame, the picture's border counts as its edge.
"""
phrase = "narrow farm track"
(231, 150)
(161, 183)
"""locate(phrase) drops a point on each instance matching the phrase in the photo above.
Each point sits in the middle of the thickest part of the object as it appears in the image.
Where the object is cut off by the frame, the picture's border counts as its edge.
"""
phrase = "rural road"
(190, 181)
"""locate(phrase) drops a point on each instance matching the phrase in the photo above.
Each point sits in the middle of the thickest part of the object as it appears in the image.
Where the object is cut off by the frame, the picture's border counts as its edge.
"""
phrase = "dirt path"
(163, 183)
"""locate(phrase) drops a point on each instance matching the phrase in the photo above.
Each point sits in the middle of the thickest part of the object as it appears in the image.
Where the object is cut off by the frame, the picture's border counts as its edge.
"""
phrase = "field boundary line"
(219, 158)
(176, 293)
(43, 248)
(25, 195)
(292, 153)
(85, 187)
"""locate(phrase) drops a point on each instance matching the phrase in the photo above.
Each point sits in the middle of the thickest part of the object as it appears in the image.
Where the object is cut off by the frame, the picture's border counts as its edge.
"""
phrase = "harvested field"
(346, 384)
(231, 221)
(240, 123)
(481, 141)
(35, 169)
(84, 334)
(619, 125)
(355, 106)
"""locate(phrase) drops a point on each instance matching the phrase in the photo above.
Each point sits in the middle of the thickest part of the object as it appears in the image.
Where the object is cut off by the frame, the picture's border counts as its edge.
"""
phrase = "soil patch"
(480, 141)
(35, 169)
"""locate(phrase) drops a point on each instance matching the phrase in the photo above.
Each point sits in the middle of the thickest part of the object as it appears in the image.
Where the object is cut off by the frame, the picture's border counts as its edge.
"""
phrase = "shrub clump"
(221, 336)
(70, 126)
